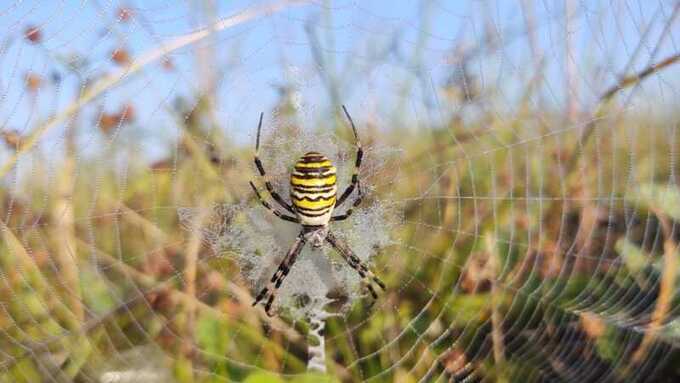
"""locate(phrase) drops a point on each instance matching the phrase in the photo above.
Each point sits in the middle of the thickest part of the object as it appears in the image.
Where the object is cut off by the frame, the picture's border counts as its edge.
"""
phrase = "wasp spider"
(313, 192)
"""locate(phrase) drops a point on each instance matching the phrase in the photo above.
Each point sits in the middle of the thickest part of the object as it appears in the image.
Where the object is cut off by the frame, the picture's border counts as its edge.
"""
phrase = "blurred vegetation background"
(536, 187)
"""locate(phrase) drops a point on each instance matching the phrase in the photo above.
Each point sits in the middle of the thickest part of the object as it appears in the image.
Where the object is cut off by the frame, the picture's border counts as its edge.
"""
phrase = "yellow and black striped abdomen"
(313, 189)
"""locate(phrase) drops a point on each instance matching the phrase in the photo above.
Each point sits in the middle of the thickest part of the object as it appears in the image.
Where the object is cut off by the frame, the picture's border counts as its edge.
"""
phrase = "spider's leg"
(269, 291)
(269, 207)
(263, 173)
(349, 211)
(357, 165)
(365, 273)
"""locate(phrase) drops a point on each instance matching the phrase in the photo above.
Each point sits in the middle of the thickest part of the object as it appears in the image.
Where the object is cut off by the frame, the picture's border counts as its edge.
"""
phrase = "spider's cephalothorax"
(315, 235)
(313, 191)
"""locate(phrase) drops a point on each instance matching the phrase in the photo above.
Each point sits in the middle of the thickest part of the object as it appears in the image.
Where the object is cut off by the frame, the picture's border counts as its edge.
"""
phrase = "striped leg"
(269, 207)
(357, 166)
(366, 275)
(263, 174)
(349, 211)
(269, 291)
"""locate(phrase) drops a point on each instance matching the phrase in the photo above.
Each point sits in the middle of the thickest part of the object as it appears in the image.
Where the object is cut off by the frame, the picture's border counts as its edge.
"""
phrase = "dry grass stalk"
(570, 63)
(666, 290)
(193, 248)
(628, 81)
(624, 82)
(63, 227)
(496, 316)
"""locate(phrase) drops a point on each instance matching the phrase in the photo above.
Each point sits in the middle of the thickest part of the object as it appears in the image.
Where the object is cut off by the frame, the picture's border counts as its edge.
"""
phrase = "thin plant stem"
(193, 247)
(496, 316)
(666, 290)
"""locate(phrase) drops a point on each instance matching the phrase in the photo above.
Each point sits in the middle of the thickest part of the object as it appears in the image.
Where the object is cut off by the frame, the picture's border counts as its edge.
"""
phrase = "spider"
(313, 193)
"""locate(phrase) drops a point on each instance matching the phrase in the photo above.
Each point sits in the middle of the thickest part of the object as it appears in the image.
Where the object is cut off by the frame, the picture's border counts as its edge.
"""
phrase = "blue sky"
(384, 57)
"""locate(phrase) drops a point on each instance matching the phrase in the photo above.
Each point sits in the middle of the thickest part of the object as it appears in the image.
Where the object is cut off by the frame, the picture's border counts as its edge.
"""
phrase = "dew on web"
(520, 185)
(257, 241)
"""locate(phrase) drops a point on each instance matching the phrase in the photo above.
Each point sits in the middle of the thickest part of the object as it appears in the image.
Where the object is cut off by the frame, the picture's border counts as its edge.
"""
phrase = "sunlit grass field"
(124, 281)
(524, 245)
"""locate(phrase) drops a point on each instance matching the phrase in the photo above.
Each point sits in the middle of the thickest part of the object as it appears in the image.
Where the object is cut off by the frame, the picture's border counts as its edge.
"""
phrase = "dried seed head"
(127, 113)
(455, 360)
(33, 34)
(33, 81)
(477, 276)
(167, 64)
(214, 281)
(164, 165)
(125, 14)
(40, 257)
(12, 138)
(121, 56)
(158, 265)
(161, 300)
(108, 122)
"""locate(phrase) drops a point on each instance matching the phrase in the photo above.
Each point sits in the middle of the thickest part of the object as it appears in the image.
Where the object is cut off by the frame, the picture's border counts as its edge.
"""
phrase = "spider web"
(246, 233)
(520, 180)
